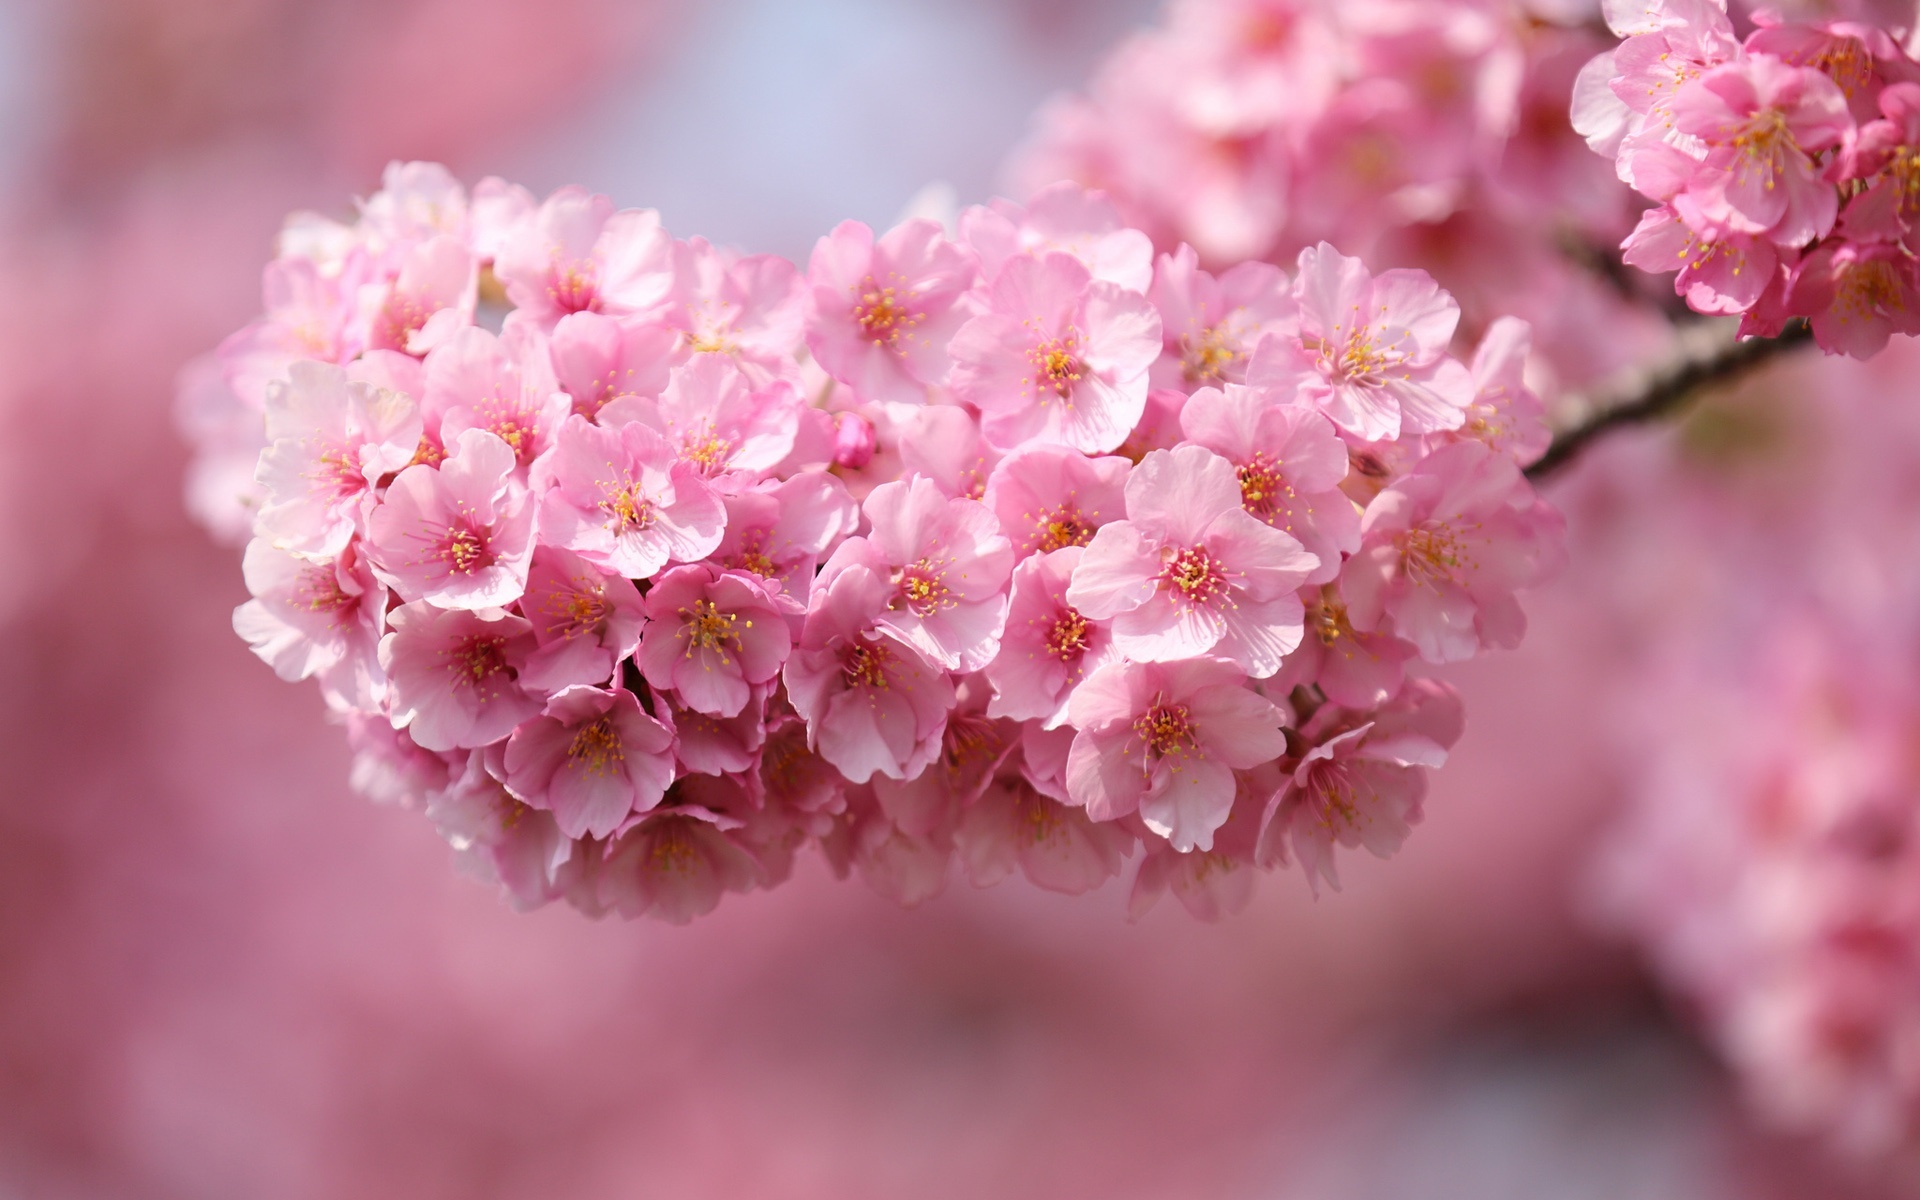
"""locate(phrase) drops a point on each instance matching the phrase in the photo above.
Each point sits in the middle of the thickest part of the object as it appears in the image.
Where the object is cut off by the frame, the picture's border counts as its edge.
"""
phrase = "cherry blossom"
(622, 498)
(459, 534)
(592, 757)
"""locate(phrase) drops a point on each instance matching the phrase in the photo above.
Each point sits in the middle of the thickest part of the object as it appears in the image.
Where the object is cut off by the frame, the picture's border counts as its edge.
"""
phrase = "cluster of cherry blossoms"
(1419, 133)
(1785, 167)
(639, 564)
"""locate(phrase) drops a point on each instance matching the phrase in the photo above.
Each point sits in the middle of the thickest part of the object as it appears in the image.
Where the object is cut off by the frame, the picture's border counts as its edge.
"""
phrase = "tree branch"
(1708, 356)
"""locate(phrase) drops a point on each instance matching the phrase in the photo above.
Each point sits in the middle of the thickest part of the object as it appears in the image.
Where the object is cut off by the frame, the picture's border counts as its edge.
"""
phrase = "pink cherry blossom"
(598, 359)
(712, 636)
(1371, 351)
(584, 619)
(329, 440)
(674, 865)
(455, 674)
(576, 254)
(1443, 550)
(943, 443)
(948, 564)
(972, 748)
(716, 418)
(1214, 883)
(312, 618)
(520, 847)
(1056, 356)
(591, 758)
(779, 531)
(1505, 413)
(1857, 296)
(460, 534)
(1163, 740)
(1211, 325)
(1362, 784)
(504, 385)
(1056, 846)
(872, 704)
(1048, 646)
(417, 202)
(750, 309)
(1289, 462)
(430, 298)
(1047, 497)
(706, 745)
(882, 312)
(1061, 218)
(623, 500)
(307, 314)
(1761, 121)
(1190, 571)
(1354, 669)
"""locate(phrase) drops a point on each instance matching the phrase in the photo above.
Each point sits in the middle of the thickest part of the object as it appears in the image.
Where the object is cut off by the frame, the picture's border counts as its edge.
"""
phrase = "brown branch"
(1709, 356)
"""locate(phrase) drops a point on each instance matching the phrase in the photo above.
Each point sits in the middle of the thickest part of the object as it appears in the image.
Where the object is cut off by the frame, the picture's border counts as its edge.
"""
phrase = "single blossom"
(1444, 549)
(459, 534)
(707, 745)
(1371, 351)
(943, 443)
(585, 620)
(503, 384)
(311, 618)
(972, 748)
(882, 312)
(622, 499)
(872, 704)
(430, 299)
(1163, 740)
(674, 865)
(749, 309)
(518, 846)
(1049, 646)
(1362, 784)
(1056, 846)
(308, 312)
(1211, 324)
(1762, 122)
(1856, 296)
(712, 637)
(1354, 669)
(1289, 462)
(1047, 497)
(1057, 355)
(454, 674)
(779, 531)
(947, 562)
(592, 758)
(717, 419)
(330, 438)
(576, 254)
(1190, 571)
(1061, 218)
(599, 359)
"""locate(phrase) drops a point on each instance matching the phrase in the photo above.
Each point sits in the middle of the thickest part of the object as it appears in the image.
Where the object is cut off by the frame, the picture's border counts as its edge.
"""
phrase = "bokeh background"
(223, 975)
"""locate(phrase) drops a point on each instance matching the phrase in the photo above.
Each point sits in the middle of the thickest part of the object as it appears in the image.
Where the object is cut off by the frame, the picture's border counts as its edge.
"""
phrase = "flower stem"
(1709, 356)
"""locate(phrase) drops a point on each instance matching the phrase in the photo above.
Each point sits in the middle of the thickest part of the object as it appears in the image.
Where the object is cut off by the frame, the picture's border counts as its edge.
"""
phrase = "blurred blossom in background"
(223, 975)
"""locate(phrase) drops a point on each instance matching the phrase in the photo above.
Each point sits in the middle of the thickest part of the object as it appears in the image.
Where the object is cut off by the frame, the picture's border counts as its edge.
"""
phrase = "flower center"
(335, 470)
(1167, 730)
(1066, 527)
(865, 665)
(1866, 290)
(1205, 359)
(478, 658)
(1329, 621)
(1262, 487)
(708, 628)
(630, 510)
(596, 748)
(1195, 576)
(881, 315)
(1432, 553)
(577, 611)
(1763, 143)
(708, 451)
(923, 588)
(1056, 365)
(319, 591)
(575, 288)
(1846, 61)
(464, 550)
(1068, 636)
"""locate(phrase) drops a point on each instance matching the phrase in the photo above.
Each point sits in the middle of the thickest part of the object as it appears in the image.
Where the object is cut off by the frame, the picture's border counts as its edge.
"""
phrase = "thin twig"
(1709, 356)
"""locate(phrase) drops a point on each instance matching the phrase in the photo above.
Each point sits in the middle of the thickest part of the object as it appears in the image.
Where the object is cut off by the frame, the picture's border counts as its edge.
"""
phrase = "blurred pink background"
(223, 975)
